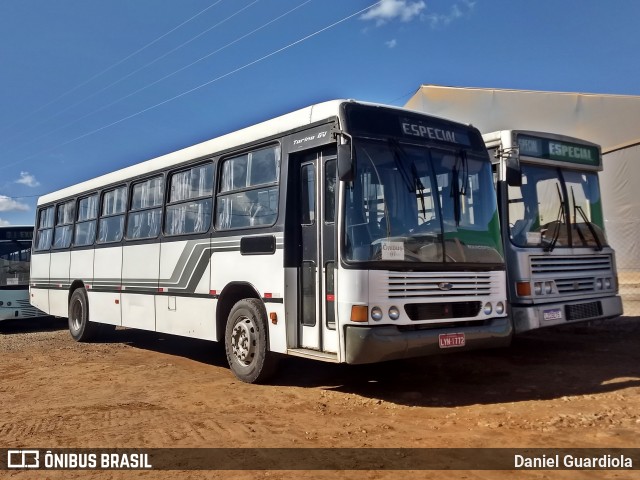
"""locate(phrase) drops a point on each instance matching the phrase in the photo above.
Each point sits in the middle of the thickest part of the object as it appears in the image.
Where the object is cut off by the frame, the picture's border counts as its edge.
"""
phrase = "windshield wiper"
(457, 190)
(577, 208)
(559, 221)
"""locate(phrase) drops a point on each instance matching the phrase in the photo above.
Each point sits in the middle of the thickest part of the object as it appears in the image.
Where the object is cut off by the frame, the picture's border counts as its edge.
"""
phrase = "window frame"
(131, 212)
(221, 194)
(168, 205)
(64, 226)
(47, 228)
(87, 220)
(102, 215)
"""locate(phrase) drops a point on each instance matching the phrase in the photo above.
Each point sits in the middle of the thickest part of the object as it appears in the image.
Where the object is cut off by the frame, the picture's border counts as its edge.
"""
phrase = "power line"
(187, 92)
(82, 84)
(69, 107)
(104, 107)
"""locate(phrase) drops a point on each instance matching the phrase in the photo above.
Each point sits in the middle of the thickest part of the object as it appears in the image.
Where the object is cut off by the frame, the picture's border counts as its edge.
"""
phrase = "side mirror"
(345, 162)
(513, 172)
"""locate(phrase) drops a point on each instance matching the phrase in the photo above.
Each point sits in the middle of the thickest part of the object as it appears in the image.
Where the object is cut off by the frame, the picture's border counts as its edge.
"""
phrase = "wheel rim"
(76, 315)
(243, 340)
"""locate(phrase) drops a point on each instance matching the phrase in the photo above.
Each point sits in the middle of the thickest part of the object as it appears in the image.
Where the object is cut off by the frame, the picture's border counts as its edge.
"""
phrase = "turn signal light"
(523, 289)
(359, 313)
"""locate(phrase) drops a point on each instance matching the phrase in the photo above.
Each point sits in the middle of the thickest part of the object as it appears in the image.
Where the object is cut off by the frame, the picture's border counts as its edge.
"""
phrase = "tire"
(80, 328)
(245, 342)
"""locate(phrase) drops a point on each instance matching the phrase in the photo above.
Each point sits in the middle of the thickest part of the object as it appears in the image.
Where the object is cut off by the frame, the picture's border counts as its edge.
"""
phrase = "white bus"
(559, 264)
(343, 232)
(15, 255)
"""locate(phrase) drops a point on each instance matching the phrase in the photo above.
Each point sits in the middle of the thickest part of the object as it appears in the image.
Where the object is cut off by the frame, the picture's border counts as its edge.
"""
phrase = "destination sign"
(9, 233)
(383, 122)
(435, 133)
(551, 149)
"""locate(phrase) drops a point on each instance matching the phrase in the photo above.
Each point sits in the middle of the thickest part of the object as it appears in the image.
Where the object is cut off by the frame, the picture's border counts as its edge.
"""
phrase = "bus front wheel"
(81, 329)
(245, 342)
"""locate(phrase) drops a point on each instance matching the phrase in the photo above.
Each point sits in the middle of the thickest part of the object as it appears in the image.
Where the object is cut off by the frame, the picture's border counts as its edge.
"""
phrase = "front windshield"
(556, 208)
(416, 204)
(14, 262)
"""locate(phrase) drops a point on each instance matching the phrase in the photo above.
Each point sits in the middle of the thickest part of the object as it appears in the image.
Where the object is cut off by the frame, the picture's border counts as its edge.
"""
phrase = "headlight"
(499, 308)
(487, 309)
(376, 313)
(598, 284)
(548, 287)
(537, 288)
(607, 283)
(394, 313)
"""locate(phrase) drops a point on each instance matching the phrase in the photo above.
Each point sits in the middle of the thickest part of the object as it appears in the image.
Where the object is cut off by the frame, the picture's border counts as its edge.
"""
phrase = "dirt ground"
(574, 386)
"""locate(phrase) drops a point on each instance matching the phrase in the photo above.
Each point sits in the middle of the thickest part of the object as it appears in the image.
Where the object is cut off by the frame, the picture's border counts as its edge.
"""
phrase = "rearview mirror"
(345, 162)
(513, 172)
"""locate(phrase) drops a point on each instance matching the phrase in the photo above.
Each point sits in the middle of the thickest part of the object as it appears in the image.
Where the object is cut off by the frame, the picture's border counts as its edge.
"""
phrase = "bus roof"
(283, 123)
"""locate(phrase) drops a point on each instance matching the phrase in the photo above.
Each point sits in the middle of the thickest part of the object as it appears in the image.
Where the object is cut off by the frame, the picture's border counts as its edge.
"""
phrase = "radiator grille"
(570, 266)
(572, 274)
(411, 284)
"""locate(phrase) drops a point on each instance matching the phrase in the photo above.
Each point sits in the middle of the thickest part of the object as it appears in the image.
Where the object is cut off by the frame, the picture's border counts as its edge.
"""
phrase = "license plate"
(449, 340)
(550, 315)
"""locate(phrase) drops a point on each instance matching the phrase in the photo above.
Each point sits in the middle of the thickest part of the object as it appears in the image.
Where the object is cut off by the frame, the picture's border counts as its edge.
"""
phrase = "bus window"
(64, 225)
(86, 222)
(248, 190)
(146, 209)
(111, 225)
(45, 229)
(190, 202)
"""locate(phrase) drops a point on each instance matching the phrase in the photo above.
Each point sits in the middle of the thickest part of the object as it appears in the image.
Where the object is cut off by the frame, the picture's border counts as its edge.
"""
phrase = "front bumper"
(381, 343)
(530, 317)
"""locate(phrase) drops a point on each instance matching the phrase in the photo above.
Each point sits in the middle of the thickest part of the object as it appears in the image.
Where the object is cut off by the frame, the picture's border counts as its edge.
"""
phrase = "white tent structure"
(612, 121)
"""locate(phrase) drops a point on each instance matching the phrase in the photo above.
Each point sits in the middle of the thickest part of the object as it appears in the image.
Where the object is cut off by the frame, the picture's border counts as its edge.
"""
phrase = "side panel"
(59, 277)
(81, 267)
(104, 295)
(39, 297)
(263, 272)
(183, 305)
(140, 270)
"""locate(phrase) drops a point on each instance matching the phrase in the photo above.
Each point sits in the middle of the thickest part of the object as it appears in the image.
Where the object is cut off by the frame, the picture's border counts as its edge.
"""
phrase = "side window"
(190, 201)
(330, 185)
(308, 195)
(45, 229)
(111, 224)
(86, 221)
(248, 193)
(64, 225)
(145, 214)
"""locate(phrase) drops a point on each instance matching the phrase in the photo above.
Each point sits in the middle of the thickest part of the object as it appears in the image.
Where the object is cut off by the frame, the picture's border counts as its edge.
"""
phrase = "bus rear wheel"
(245, 342)
(80, 328)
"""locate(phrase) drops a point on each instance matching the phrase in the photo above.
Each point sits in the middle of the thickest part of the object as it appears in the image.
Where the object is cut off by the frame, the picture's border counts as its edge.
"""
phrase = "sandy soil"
(575, 386)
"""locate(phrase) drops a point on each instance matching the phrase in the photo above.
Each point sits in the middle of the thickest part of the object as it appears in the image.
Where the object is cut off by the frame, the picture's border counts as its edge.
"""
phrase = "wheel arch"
(230, 295)
(76, 284)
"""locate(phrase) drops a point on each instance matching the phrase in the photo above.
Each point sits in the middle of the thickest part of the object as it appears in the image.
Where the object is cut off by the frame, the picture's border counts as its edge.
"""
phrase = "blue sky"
(90, 86)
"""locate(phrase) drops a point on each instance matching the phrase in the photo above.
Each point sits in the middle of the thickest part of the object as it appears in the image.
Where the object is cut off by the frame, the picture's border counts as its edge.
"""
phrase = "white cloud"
(457, 11)
(8, 204)
(4, 223)
(391, 43)
(28, 179)
(388, 10)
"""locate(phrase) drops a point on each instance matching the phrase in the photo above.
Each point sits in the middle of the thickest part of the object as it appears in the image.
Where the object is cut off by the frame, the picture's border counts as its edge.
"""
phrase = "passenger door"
(317, 200)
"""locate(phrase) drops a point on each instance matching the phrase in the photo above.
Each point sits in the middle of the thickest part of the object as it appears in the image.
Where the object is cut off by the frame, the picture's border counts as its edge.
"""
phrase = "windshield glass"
(556, 208)
(14, 262)
(415, 204)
